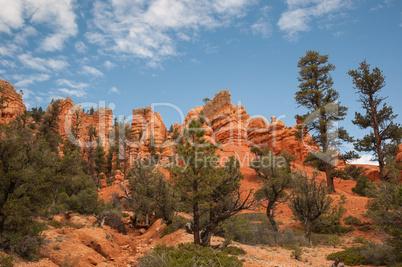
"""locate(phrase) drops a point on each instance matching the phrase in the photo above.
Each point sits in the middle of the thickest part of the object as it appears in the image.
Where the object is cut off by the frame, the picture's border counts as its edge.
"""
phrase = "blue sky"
(132, 53)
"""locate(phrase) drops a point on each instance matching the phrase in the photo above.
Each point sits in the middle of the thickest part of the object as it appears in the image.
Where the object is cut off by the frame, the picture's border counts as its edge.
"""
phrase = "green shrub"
(325, 239)
(239, 229)
(177, 223)
(331, 224)
(113, 219)
(6, 261)
(352, 220)
(360, 239)
(187, 255)
(349, 256)
(371, 253)
(297, 253)
(234, 251)
(56, 247)
(55, 224)
(363, 186)
(125, 215)
(364, 228)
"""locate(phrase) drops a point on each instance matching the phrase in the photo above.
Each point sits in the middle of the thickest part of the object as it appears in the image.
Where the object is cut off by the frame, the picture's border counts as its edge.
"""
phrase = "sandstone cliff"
(73, 120)
(13, 104)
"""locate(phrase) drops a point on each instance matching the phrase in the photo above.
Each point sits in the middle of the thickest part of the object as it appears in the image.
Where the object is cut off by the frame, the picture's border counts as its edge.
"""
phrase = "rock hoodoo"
(13, 102)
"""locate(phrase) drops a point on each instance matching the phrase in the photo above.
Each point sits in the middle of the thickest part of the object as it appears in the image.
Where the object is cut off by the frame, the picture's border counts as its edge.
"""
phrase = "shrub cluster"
(372, 253)
(187, 255)
(176, 224)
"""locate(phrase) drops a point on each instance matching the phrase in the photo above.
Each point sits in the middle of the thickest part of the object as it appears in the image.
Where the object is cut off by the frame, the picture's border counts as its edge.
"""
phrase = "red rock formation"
(399, 156)
(73, 119)
(145, 124)
(14, 105)
(277, 137)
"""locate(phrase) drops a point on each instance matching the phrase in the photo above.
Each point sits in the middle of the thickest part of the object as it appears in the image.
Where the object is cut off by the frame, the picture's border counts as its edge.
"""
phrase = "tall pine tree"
(317, 95)
(379, 117)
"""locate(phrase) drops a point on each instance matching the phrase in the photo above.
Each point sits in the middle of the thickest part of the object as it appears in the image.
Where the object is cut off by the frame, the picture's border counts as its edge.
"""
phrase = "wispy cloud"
(72, 92)
(300, 13)
(57, 15)
(42, 64)
(23, 80)
(71, 84)
(80, 47)
(150, 31)
(114, 90)
(108, 65)
(91, 71)
(263, 25)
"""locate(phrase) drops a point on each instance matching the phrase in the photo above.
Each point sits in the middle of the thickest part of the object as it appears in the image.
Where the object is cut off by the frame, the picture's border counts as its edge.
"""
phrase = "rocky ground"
(81, 242)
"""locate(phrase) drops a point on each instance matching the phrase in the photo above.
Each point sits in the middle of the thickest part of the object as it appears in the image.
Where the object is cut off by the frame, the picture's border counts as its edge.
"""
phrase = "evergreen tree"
(150, 192)
(317, 95)
(25, 170)
(386, 211)
(212, 194)
(89, 151)
(379, 117)
(37, 114)
(309, 201)
(99, 160)
(275, 173)
(49, 126)
(225, 198)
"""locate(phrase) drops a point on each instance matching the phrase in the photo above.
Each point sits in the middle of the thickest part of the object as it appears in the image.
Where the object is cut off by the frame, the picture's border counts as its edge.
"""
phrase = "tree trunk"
(307, 226)
(330, 178)
(270, 215)
(196, 228)
(377, 138)
(207, 235)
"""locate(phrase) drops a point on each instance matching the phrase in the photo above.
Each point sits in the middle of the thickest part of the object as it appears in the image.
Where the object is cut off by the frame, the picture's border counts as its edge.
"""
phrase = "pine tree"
(309, 201)
(99, 160)
(275, 173)
(49, 127)
(317, 95)
(379, 117)
(212, 194)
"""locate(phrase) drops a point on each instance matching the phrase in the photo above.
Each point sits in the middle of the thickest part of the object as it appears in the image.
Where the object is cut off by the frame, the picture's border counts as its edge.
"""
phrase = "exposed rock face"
(147, 124)
(232, 126)
(277, 137)
(399, 156)
(73, 119)
(14, 105)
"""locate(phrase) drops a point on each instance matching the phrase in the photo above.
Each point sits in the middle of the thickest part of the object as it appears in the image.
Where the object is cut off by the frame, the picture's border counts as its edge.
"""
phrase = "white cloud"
(72, 92)
(301, 12)
(114, 90)
(364, 159)
(262, 27)
(42, 64)
(150, 29)
(81, 47)
(24, 81)
(108, 65)
(58, 15)
(71, 84)
(88, 70)
(11, 15)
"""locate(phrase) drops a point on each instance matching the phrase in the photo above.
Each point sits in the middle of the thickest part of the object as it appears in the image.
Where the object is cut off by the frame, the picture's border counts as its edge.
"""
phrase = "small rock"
(157, 229)
(142, 231)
